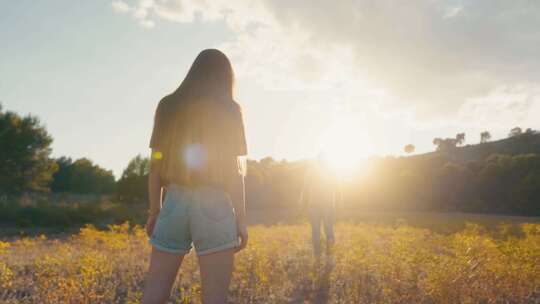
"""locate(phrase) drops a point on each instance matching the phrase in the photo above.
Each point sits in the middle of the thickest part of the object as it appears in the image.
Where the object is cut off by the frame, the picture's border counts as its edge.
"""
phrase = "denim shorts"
(202, 216)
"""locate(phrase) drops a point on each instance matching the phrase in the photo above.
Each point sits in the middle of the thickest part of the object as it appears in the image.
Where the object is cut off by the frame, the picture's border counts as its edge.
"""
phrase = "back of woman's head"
(211, 77)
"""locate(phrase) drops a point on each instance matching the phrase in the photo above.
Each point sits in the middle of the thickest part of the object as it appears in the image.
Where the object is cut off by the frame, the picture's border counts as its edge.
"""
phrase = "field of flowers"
(371, 264)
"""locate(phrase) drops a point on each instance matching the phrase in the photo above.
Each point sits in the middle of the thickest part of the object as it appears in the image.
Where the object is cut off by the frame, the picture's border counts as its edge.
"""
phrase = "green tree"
(132, 186)
(485, 137)
(515, 132)
(82, 176)
(409, 148)
(446, 144)
(24, 154)
(530, 131)
(63, 177)
(460, 139)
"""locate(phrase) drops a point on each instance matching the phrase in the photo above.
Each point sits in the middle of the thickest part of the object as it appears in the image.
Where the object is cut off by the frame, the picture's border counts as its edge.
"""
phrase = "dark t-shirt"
(196, 141)
(231, 127)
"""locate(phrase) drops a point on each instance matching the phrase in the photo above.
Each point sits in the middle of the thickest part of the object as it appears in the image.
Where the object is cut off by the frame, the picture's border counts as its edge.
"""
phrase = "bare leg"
(161, 275)
(216, 271)
(329, 231)
(315, 222)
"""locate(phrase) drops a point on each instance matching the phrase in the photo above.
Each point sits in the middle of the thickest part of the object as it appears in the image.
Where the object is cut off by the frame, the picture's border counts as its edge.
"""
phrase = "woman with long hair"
(197, 167)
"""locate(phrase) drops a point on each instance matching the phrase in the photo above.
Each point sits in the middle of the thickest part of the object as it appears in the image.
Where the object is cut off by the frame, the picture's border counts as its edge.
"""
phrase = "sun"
(345, 146)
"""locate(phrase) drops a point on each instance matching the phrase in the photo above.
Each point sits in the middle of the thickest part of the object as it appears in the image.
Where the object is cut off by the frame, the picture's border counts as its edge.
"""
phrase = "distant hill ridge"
(520, 144)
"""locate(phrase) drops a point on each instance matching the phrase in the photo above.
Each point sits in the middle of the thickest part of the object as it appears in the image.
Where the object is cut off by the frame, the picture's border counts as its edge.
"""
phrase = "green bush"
(47, 214)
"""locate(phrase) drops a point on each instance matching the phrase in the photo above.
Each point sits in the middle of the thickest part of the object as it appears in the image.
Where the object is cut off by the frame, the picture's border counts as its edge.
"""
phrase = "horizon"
(94, 75)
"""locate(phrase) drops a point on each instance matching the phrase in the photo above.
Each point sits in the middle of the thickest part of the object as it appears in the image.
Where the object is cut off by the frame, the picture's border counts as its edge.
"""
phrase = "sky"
(384, 73)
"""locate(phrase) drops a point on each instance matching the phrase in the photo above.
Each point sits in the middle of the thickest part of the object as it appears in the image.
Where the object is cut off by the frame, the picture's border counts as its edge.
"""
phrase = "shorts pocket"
(167, 208)
(172, 226)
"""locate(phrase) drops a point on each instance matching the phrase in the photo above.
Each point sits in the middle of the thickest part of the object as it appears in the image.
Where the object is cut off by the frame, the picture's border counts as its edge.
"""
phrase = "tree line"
(26, 164)
(438, 181)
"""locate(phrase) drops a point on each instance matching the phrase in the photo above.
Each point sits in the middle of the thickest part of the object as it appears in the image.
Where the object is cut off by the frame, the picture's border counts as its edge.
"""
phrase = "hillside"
(522, 144)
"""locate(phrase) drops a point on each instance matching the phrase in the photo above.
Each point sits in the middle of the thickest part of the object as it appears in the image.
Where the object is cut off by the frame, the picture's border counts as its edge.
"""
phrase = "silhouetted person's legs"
(328, 221)
(315, 221)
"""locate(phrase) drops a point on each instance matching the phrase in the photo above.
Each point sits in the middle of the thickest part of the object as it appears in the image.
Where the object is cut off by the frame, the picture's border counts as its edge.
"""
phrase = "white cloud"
(406, 55)
(236, 13)
(452, 12)
(147, 23)
(503, 104)
(120, 6)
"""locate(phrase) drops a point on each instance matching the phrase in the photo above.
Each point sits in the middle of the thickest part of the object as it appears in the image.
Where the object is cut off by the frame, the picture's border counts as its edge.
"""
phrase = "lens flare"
(157, 155)
(195, 156)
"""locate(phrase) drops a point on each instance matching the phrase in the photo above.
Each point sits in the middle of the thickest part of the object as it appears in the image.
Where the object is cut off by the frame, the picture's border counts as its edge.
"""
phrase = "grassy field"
(375, 261)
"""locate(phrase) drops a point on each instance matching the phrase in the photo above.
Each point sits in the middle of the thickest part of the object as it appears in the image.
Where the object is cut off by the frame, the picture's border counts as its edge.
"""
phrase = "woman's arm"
(154, 191)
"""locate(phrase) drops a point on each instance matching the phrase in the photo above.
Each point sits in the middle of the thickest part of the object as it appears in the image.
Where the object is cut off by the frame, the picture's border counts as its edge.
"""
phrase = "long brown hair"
(211, 75)
(201, 124)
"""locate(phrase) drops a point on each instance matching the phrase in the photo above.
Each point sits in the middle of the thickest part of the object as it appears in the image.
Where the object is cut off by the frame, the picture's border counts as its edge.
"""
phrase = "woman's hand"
(242, 235)
(150, 223)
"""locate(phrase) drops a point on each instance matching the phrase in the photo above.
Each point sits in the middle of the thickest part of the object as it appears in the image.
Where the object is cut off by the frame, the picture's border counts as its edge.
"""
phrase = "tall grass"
(371, 264)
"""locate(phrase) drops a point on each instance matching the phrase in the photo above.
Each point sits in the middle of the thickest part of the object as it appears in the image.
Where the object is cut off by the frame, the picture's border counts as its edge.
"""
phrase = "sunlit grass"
(372, 264)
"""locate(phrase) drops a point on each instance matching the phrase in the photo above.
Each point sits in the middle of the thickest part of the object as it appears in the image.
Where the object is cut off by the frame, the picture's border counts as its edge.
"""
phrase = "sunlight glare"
(345, 146)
